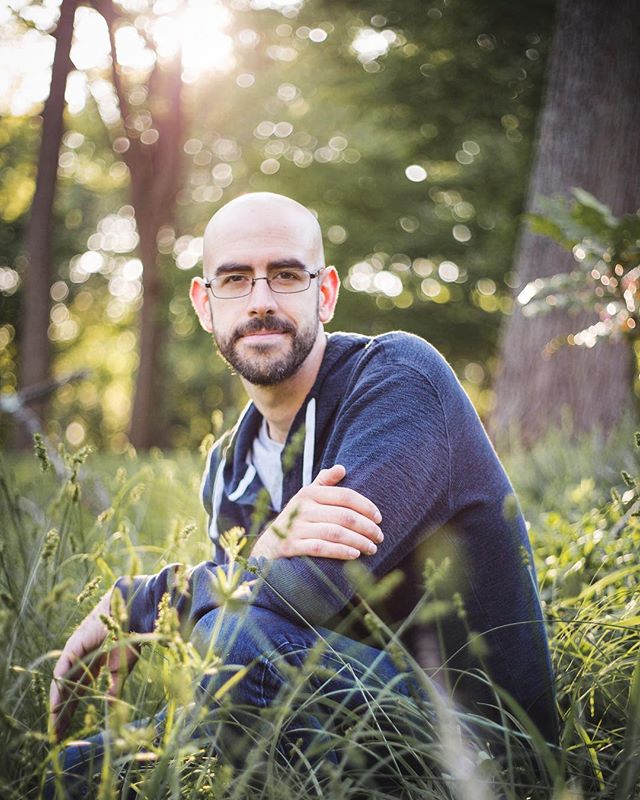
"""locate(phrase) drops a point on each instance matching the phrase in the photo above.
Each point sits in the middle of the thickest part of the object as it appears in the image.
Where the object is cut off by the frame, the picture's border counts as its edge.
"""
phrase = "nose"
(261, 300)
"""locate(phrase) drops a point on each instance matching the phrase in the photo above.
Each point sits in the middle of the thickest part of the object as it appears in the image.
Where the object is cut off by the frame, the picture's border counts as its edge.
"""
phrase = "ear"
(199, 296)
(329, 289)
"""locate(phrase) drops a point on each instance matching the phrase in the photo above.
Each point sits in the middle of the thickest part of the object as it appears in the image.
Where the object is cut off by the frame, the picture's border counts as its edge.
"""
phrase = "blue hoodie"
(391, 410)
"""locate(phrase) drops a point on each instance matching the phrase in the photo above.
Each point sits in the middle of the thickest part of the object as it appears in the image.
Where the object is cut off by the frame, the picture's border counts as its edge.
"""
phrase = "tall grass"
(64, 543)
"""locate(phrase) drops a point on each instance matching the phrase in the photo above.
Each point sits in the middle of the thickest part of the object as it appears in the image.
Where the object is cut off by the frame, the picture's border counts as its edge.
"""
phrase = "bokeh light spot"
(416, 173)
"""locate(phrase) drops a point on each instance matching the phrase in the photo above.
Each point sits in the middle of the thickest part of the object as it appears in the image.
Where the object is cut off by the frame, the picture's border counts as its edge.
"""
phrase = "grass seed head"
(41, 452)
(89, 590)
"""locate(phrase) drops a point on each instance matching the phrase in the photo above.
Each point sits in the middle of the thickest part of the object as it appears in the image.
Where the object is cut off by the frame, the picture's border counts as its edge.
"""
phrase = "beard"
(260, 368)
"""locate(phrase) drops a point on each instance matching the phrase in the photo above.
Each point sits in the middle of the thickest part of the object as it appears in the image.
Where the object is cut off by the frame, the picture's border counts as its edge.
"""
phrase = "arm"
(318, 521)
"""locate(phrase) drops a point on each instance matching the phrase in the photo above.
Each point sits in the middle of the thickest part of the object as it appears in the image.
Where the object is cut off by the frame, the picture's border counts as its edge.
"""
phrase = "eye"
(235, 279)
(288, 275)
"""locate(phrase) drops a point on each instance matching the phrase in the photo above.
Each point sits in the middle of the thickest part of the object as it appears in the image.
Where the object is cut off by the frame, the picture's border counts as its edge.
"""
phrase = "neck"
(279, 404)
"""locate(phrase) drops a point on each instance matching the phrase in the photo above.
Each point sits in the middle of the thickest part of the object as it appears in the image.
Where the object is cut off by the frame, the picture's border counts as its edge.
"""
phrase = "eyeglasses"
(238, 284)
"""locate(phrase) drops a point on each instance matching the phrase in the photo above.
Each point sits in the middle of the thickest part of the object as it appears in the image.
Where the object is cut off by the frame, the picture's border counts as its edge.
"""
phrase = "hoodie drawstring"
(247, 478)
(309, 442)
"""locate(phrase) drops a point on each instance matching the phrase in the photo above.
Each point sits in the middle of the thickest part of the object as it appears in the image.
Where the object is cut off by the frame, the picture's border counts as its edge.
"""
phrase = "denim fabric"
(81, 762)
(324, 682)
(305, 695)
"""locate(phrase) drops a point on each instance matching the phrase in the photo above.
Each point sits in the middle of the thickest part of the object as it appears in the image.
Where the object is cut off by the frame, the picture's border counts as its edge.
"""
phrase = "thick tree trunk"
(35, 348)
(588, 137)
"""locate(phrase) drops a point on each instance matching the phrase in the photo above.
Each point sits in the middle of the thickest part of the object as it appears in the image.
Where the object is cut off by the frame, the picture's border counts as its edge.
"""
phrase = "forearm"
(142, 595)
(297, 588)
(310, 589)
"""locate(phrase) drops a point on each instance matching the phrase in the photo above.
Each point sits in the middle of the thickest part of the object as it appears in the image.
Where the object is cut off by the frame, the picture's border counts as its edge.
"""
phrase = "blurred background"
(409, 127)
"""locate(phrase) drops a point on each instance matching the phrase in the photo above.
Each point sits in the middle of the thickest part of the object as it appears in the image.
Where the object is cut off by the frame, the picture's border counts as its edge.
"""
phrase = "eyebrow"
(280, 263)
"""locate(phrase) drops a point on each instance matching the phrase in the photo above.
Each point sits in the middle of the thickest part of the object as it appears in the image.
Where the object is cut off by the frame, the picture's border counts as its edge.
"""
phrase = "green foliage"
(555, 477)
(62, 547)
(606, 279)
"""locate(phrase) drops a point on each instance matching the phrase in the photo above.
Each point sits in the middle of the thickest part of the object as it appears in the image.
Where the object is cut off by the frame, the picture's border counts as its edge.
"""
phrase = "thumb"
(330, 476)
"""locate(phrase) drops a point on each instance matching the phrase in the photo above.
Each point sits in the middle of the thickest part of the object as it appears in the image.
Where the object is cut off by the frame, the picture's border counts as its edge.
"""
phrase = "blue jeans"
(307, 698)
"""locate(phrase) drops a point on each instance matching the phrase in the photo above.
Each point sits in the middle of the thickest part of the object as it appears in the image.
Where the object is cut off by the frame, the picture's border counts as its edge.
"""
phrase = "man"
(386, 463)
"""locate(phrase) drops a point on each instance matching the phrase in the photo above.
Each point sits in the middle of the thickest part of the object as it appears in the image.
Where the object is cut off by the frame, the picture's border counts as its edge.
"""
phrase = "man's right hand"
(72, 669)
(323, 520)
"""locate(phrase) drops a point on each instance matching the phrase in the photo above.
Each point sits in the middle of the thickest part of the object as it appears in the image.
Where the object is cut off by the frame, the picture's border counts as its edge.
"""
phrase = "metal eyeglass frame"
(210, 284)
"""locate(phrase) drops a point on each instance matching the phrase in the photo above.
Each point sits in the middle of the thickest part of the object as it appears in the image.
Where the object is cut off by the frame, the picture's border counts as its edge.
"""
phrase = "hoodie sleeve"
(392, 436)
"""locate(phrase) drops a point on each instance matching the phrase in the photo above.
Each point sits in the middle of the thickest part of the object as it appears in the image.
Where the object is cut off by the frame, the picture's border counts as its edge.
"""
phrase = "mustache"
(271, 324)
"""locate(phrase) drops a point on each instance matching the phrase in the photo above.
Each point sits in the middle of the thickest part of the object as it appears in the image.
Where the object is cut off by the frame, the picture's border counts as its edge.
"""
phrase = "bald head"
(262, 223)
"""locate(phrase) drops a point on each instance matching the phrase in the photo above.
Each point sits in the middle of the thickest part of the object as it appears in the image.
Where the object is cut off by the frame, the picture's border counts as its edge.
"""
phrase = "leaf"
(544, 226)
(593, 753)
(589, 201)
(230, 683)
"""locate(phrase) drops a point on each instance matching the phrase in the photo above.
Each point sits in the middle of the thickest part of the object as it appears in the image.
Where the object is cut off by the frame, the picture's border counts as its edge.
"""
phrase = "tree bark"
(588, 137)
(35, 349)
(155, 171)
(155, 177)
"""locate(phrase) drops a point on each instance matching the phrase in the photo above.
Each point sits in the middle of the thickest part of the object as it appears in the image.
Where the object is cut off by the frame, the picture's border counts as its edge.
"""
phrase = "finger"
(71, 675)
(55, 701)
(60, 720)
(337, 534)
(329, 476)
(342, 518)
(60, 708)
(320, 548)
(347, 498)
(67, 659)
(63, 700)
(77, 647)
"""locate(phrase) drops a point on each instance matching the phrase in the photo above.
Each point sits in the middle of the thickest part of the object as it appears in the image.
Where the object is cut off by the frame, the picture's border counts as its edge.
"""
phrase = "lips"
(263, 335)
(258, 330)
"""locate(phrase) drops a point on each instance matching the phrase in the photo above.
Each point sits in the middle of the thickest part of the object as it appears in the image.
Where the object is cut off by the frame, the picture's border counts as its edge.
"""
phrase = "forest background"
(408, 130)
(413, 129)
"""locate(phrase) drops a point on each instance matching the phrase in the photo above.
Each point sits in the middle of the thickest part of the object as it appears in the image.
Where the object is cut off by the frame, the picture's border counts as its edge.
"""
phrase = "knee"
(243, 640)
(241, 636)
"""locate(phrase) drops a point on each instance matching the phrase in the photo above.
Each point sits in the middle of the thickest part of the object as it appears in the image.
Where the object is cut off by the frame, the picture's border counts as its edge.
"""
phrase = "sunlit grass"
(65, 541)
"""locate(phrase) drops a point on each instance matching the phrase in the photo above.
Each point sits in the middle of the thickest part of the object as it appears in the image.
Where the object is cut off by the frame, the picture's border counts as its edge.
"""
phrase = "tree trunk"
(155, 169)
(588, 137)
(155, 177)
(146, 427)
(35, 348)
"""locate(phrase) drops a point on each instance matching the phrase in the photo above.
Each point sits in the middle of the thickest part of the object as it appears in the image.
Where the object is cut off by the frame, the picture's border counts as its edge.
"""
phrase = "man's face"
(268, 349)
(265, 336)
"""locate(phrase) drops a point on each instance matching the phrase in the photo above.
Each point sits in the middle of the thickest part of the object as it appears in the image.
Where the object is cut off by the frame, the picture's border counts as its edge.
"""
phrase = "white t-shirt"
(265, 457)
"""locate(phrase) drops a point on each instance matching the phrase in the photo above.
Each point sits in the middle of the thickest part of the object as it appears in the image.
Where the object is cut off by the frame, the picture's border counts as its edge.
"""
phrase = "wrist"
(262, 546)
(104, 604)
